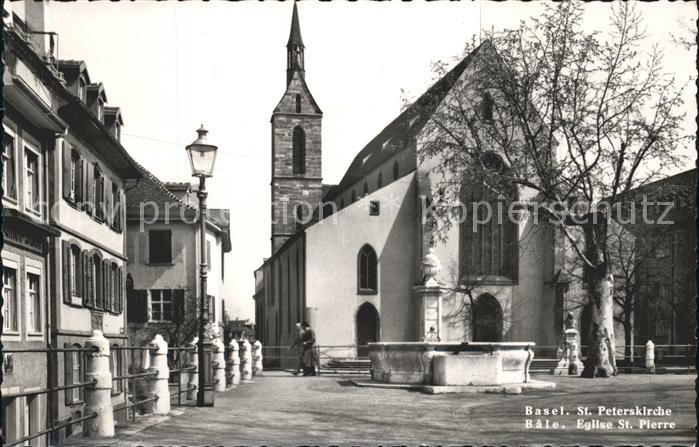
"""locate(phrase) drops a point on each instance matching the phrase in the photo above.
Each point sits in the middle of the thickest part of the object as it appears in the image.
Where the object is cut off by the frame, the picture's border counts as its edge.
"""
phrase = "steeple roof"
(295, 34)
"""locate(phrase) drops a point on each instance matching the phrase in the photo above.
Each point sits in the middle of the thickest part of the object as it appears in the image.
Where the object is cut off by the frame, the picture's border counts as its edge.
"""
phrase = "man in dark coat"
(298, 344)
(309, 341)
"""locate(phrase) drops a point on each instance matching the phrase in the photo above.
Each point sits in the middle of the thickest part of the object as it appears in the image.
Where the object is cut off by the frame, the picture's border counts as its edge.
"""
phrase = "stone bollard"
(650, 357)
(193, 374)
(257, 358)
(159, 386)
(245, 362)
(98, 397)
(219, 365)
(234, 358)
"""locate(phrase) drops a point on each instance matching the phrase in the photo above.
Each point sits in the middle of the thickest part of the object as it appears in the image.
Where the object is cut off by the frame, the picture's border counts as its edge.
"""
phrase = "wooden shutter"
(68, 373)
(90, 280)
(79, 181)
(66, 170)
(84, 283)
(143, 247)
(120, 290)
(178, 305)
(122, 210)
(89, 187)
(108, 202)
(137, 306)
(66, 272)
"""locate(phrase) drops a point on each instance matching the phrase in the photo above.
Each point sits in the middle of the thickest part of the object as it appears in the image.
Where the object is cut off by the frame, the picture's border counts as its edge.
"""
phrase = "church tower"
(296, 147)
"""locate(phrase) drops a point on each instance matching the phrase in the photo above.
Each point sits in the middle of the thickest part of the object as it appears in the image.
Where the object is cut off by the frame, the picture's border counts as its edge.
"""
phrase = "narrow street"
(279, 409)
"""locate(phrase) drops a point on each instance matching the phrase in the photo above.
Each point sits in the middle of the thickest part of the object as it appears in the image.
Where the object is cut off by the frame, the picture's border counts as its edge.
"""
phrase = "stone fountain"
(437, 366)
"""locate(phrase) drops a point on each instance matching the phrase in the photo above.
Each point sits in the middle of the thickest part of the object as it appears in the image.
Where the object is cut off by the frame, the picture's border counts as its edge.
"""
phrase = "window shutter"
(66, 272)
(178, 305)
(120, 290)
(66, 170)
(89, 188)
(107, 281)
(90, 280)
(108, 202)
(122, 210)
(80, 273)
(137, 306)
(143, 247)
(79, 181)
(68, 373)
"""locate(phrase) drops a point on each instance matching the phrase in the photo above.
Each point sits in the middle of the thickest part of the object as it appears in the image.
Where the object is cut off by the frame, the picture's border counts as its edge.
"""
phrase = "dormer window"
(82, 86)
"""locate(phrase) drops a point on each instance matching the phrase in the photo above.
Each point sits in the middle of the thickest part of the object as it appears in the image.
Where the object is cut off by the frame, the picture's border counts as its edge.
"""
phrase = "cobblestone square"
(280, 409)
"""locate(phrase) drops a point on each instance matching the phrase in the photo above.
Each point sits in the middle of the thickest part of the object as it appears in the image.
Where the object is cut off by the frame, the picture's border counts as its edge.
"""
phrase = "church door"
(487, 319)
(367, 328)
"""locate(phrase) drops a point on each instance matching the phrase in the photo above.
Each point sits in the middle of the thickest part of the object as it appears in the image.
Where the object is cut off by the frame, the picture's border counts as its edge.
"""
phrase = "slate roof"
(397, 134)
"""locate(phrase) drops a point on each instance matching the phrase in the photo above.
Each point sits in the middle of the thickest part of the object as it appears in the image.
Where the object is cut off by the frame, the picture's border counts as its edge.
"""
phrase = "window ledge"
(12, 200)
(160, 264)
(34, 334)
(367, 292)
(6, 332)
(76, 403)
(158, 322)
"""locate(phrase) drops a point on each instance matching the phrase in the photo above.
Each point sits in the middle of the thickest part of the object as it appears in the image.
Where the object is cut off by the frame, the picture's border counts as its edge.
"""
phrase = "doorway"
(367, 328)
(487, 319)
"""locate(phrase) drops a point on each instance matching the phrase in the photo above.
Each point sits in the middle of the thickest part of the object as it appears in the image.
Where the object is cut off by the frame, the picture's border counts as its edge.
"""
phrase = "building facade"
(65, 167)
(352, 266)
(163, 287)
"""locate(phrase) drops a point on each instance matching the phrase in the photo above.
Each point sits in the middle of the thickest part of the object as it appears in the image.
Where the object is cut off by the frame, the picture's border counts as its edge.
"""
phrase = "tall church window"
(299, 151)
(488, 235)
(367, 271)
(298, 103)
(487, 107)
(395, 171)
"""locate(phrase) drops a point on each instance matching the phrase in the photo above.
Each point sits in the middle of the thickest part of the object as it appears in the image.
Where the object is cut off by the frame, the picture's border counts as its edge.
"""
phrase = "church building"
(348, 258)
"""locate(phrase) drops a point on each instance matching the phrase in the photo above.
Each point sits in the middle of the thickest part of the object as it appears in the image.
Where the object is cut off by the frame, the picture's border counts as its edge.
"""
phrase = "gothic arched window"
(298, 103)
(298, 148)
(367, 274)
(487, 107)
(489, 246)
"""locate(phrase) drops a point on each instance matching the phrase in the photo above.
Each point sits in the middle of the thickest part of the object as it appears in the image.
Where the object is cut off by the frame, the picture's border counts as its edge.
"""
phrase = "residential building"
(163, 249)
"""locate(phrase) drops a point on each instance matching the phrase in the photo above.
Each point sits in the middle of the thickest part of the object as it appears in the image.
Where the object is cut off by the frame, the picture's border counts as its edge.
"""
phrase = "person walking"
(309, 340)
(298, 344)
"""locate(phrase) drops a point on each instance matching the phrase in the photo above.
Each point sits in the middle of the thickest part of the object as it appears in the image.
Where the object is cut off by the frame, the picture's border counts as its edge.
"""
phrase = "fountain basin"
(451, 364)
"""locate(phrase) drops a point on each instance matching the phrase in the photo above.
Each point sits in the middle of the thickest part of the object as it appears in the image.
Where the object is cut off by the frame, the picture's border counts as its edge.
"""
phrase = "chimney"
(36, 17)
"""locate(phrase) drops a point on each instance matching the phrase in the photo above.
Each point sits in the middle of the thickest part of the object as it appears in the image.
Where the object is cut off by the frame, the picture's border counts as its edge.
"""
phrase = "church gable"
(298, 98)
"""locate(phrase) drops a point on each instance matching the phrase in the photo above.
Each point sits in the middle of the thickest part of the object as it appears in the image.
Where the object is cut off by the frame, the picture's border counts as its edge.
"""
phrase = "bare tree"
(576, 118)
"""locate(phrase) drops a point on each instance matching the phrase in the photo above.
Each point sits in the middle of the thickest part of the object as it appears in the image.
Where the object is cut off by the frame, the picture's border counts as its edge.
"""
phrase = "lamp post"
(202, 157)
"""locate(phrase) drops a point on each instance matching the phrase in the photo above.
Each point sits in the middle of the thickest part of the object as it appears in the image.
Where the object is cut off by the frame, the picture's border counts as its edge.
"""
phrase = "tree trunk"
(629, 351)
(600, 361)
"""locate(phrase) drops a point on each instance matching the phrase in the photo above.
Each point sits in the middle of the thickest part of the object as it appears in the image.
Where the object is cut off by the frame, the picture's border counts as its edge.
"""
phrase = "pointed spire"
(295, 34)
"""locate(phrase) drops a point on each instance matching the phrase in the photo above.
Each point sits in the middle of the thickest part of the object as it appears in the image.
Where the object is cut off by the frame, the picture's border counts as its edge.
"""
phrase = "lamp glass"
(202, 158)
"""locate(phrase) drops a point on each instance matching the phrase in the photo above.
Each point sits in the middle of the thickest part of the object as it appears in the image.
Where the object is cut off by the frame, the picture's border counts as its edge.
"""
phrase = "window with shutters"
(87, 279)
(160, 246)
(34, 303)
(32, 176)
(367, 271)
(9, 295)
(298, 149)
(114, 288)
(9, 164)
(166, 305)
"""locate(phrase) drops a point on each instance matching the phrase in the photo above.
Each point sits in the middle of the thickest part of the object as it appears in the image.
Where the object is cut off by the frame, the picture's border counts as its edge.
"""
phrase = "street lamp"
(202, 157)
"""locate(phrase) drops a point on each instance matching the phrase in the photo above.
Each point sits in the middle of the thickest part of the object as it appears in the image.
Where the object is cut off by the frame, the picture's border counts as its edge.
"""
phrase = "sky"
(172, 66)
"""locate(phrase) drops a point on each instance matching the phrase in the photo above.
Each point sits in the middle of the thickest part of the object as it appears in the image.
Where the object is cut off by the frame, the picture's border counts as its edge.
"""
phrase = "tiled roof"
(396, 136)
(679, 188)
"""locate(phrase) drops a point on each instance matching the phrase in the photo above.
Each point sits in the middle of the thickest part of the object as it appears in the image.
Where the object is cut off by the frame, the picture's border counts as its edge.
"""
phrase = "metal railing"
(51, 393)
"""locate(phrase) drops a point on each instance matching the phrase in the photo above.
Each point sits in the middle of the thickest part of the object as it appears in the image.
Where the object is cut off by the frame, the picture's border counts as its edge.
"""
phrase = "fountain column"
(429, 298)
